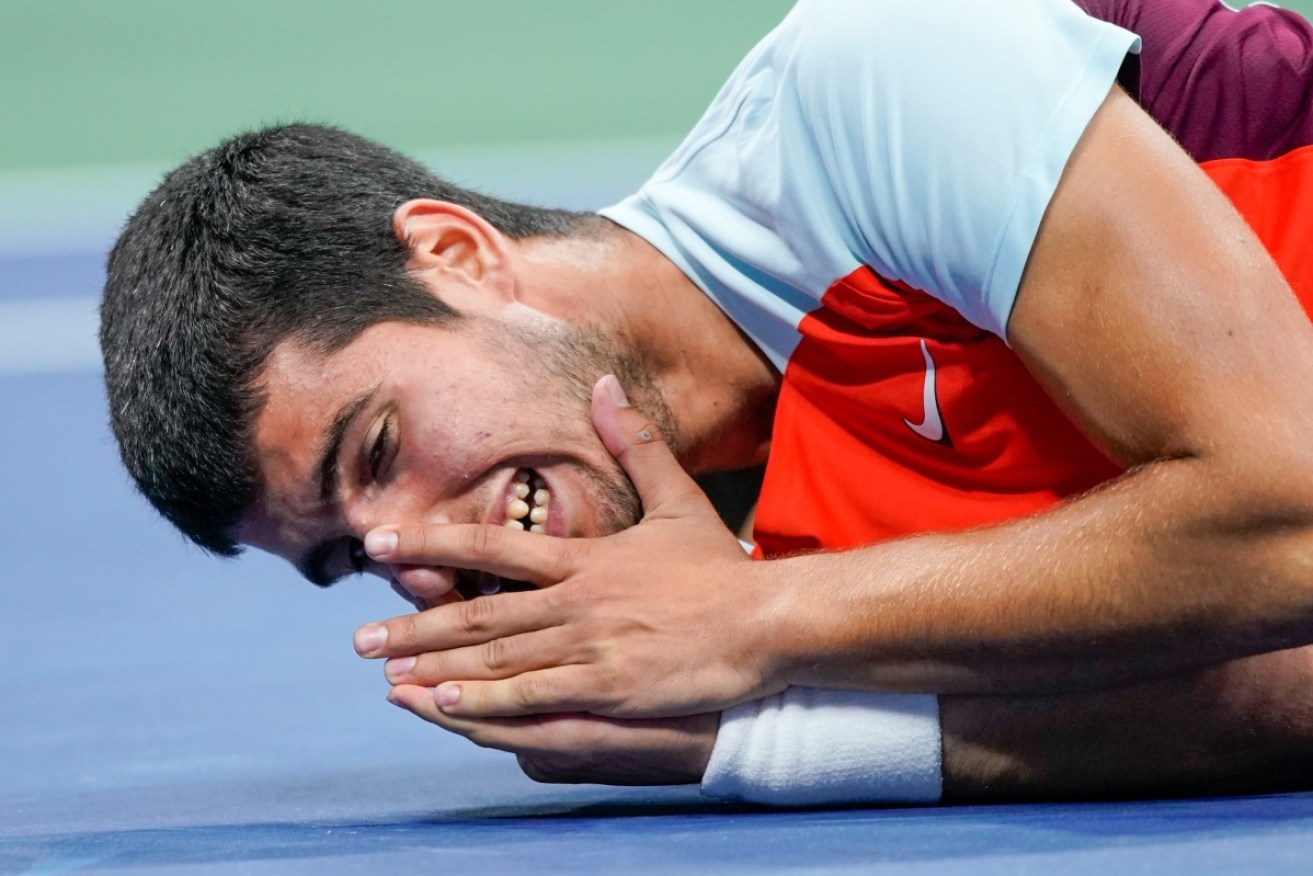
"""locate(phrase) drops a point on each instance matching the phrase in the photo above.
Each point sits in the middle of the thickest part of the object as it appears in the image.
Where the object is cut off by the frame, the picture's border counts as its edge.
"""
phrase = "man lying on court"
(1031, 387)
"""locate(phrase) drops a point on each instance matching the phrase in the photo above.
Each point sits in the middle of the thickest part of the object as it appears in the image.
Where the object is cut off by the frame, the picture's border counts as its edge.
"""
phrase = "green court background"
(89, 83)
(570, 103)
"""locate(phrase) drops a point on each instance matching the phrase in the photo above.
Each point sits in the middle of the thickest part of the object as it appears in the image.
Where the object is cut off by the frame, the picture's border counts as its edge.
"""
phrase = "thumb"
(662, 484)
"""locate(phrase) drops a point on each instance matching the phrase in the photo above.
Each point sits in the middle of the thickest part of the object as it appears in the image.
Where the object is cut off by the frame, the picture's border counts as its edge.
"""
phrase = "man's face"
(415, 423)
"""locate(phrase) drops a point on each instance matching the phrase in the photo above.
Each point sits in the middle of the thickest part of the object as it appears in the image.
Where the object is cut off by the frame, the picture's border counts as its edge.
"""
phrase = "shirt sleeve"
(1225, 82)
(941, 128)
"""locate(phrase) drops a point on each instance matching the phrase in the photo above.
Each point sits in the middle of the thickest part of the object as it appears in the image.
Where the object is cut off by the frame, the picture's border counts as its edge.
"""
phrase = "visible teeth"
(526, 487)
(489, 587)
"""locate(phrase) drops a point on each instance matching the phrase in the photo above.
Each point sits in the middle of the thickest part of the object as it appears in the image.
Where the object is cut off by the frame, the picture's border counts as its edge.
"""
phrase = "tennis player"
(1011, 304)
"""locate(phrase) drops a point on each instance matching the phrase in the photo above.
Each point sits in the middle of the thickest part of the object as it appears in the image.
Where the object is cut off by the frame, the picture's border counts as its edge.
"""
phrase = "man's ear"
(451, 241)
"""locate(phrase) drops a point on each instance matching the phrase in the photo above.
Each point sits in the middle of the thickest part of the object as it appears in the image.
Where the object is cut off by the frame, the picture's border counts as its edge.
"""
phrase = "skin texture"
(461, 409)
(1143, 590)
(1166, 558)
(438, 462)
(1242, 726)
(579, 629)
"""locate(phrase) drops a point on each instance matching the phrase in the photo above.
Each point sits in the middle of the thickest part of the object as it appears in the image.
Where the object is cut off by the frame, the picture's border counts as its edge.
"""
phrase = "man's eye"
(379, 449)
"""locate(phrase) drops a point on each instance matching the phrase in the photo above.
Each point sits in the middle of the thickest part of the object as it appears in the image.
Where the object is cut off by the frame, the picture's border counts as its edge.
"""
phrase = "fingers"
(662, 484)
(457, 625)
(534, 734)
(571, 747)
(504, 734)
(501, 551)
(555, 689)
(497, 658)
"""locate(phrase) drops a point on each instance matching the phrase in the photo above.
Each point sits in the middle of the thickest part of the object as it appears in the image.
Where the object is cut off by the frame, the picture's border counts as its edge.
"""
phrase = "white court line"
(49, 336)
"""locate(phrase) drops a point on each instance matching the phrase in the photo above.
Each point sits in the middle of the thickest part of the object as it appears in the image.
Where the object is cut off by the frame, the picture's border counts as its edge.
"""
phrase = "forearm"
(1158, 323)
(1242, 727)
(1173, 567)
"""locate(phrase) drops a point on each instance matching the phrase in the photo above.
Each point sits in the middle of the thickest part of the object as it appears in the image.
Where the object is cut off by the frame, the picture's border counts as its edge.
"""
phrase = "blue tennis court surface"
(162, 711)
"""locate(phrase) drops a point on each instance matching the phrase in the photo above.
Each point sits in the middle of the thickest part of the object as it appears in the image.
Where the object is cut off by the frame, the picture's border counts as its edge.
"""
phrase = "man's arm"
(1155, 318)
(1241, 727)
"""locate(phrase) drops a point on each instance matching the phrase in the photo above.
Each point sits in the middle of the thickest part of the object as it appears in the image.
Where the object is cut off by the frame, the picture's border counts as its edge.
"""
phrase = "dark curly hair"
(279, 233)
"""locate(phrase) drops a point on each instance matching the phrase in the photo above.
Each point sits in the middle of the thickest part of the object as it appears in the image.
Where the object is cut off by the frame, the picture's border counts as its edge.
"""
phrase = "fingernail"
(398, 666)
(616, 391)
(446, 695)
(370, 638)
(381, 542)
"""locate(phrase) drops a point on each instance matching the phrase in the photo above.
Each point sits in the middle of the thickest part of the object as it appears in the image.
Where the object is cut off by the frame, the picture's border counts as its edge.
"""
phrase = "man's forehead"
(308, 397)
(302, 390)
(302, 366)
(294, 365)
(297, 385)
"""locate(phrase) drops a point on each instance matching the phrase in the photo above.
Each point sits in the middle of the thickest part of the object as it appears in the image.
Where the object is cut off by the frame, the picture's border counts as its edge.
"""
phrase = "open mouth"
(527, 509)
(527, 504)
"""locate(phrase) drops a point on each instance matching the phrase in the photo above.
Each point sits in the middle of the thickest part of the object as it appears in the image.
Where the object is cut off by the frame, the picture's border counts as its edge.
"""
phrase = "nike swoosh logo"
(932, 426)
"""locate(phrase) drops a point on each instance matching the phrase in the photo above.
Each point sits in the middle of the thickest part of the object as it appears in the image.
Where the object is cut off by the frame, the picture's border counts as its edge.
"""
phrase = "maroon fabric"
(1225, 83)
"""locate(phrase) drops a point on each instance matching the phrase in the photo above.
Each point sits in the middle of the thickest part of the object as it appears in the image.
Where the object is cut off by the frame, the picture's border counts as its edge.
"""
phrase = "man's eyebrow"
(312, 565)
(331, 446)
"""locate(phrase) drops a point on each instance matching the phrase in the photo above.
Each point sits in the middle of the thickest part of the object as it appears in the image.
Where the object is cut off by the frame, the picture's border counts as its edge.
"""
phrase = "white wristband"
(811, 747)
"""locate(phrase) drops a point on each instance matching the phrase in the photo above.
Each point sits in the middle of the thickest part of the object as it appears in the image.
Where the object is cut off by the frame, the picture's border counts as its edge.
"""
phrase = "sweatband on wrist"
(812, 746)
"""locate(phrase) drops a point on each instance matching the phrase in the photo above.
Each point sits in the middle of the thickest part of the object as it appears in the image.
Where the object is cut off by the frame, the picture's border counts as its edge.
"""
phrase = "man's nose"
(421, 586)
